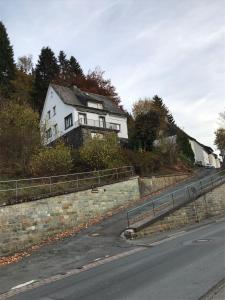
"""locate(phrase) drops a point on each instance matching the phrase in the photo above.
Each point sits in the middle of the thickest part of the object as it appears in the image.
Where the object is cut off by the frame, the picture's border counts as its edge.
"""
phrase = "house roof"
(75, 97)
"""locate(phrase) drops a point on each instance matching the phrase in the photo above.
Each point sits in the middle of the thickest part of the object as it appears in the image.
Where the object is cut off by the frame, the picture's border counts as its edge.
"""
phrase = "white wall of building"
(200, 154)
(63, 110)
(212, 160)
(218, 164)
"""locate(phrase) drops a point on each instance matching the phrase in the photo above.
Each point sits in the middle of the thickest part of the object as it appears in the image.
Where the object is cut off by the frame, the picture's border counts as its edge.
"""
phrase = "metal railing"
(96, 123)
(22, 190)
(167, 202)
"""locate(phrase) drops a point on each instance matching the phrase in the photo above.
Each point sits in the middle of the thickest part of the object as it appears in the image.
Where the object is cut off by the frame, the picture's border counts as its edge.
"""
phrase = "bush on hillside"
(145, 163)
(19, 138)
(102, 153)
(186, 152)
(51, 161)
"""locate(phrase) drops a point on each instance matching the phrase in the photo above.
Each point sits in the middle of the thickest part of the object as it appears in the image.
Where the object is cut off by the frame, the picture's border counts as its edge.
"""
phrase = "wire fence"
(167, 202)
(23, 190)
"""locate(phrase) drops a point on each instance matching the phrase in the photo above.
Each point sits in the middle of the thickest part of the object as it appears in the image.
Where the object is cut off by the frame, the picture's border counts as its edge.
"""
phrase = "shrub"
(102, 153)
(19, 138)
(51, 161)
(145, 163)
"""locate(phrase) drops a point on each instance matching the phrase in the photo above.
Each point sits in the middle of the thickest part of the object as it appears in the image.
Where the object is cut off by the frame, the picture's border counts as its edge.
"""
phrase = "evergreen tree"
(63, 65)
(167, 123)
(146, 127)
(45, 72)
(75, 67)
(7, 66)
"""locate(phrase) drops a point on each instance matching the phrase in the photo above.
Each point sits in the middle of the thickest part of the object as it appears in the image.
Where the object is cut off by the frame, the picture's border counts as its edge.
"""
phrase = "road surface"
(181, 267)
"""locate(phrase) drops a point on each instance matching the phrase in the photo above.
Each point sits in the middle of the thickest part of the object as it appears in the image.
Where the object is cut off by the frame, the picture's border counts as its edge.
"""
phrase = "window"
(54, 110)
(95, 105)
(102, 122)
(49, 114)
(114, 126)
(68, 121)
(96, 134)
(49, 133)
(82, 118)
(55, 129)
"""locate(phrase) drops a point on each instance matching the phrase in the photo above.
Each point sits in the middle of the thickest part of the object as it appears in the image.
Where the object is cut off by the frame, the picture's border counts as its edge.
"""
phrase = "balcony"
(97, 124)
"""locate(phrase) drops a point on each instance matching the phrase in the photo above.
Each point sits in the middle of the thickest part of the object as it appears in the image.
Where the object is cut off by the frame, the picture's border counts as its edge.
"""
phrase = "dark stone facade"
(77, 136)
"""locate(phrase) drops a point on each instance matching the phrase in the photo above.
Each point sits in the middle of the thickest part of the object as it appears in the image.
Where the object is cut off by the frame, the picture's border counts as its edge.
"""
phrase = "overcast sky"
(172, 48)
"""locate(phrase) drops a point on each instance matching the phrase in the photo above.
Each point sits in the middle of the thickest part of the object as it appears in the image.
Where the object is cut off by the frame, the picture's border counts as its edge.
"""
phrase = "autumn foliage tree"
(51, 160)
(101, 153)
(19, 137)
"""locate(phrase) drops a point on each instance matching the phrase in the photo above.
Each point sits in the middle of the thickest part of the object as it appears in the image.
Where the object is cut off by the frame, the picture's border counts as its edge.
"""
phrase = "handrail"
(27, 189)
(69, 174)
(96, 123)
(209, 180)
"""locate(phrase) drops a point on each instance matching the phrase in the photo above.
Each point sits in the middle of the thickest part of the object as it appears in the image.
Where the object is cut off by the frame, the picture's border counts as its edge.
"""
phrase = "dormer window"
(95, 105)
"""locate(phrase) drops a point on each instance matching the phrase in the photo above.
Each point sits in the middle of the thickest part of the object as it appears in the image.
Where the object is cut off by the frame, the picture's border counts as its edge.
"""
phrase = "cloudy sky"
(173, 48)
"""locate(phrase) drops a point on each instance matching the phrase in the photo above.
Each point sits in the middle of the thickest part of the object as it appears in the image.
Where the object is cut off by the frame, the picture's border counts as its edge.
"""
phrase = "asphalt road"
(181, 267)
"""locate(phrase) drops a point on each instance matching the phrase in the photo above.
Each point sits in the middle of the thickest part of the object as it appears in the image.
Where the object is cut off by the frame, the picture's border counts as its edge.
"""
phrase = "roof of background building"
(75, 97)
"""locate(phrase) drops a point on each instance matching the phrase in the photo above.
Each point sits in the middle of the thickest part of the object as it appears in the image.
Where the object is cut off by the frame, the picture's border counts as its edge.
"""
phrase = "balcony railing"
(97, 123)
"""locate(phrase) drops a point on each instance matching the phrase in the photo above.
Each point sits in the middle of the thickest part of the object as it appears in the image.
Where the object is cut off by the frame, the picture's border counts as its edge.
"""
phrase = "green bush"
(102, 153)
(145, 163)
(51, 161)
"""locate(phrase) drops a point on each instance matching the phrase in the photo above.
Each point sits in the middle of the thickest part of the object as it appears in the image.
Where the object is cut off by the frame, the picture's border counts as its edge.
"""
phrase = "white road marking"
(172, 237)
(23, 284)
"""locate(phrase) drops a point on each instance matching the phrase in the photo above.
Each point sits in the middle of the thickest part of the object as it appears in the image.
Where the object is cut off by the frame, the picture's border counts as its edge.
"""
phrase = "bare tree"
(25, 64)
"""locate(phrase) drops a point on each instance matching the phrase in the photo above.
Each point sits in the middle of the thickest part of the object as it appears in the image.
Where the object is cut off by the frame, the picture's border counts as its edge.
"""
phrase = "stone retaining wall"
(25, 224)
(157, 183)
(208, 205)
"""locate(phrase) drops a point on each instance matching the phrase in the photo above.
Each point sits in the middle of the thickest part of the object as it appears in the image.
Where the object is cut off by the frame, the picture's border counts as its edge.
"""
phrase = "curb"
(214, 290)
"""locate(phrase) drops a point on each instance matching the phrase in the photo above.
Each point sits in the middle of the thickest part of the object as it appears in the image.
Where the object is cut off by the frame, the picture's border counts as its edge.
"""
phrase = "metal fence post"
(99, 179)
(128, 221)
(189, 195)
(117, 174)
(212, 182)
(77, 182)
(50, 184)
(172, 199)
(16, 189)
(201, 184)
(153, 207)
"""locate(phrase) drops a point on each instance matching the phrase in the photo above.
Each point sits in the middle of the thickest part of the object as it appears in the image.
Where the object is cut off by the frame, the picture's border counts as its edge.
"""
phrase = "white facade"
(218, 163)
(212, 160)
(201, 156)
(55, 111)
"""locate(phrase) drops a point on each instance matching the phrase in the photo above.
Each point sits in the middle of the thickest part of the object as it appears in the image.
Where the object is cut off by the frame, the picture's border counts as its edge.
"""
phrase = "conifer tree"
(63, 65)
(7, 65)
(75, 67)
(46, 71)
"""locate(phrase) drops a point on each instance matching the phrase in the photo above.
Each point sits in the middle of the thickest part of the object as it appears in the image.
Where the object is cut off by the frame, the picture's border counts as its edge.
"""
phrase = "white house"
(203, 154)
(76, 115)
(200, 153)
